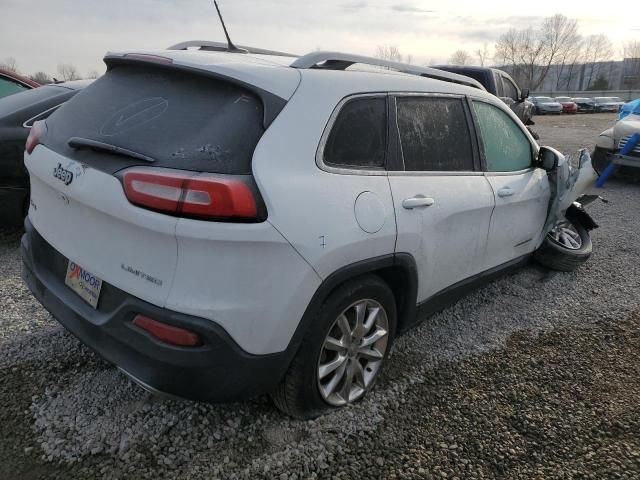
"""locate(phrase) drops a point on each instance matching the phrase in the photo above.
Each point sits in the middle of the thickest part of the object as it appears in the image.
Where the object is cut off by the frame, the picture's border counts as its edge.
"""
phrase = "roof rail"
(341, 61)
(223, 47)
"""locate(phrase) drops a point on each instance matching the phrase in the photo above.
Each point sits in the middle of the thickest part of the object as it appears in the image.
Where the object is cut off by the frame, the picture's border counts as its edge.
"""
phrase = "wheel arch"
(398, 271)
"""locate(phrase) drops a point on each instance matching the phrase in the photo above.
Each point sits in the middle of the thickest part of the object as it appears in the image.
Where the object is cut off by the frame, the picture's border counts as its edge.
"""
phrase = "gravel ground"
(534, 376)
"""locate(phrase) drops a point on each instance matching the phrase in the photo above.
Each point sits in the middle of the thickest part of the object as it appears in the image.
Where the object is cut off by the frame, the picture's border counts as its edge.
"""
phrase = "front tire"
(566, 247)
(343, 352)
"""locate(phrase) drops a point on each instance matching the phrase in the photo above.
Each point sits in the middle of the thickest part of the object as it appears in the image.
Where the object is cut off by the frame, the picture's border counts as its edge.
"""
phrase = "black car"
(501, 85)
(586, 105)
(17, 114)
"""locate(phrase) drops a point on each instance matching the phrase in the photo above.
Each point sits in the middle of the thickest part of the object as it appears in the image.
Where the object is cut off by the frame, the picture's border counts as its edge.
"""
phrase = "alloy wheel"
(565, 234)
(352, 352)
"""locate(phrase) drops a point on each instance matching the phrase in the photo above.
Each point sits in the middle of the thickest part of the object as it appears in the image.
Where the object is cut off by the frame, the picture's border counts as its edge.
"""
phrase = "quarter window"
(506, 147)
(359, 135)
(434, 134)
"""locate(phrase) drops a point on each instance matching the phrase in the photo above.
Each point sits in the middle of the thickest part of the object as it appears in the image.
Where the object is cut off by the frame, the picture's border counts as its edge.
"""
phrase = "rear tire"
(299, 394)
(555, 253)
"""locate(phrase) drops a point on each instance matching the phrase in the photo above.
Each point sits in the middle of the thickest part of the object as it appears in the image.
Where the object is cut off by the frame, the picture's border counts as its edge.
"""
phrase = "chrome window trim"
(381, 171)
(29, 123)
(515, 172)
(327, 131)
(438, 173)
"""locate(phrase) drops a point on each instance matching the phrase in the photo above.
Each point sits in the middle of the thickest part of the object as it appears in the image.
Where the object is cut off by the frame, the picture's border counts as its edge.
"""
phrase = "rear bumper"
(218, 370)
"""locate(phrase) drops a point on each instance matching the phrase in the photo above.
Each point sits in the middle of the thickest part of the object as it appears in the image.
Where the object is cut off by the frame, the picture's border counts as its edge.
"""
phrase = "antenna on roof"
(230, 46)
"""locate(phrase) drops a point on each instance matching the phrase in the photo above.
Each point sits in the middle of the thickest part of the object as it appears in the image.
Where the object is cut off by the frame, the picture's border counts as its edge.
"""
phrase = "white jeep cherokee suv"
(220, 225)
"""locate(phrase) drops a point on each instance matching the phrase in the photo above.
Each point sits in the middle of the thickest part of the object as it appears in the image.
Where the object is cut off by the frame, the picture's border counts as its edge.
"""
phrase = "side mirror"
(548, 159)
(525, 94)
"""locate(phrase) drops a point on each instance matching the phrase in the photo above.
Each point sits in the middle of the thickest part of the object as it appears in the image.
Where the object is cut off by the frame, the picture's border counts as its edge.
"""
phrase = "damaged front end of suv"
(567, 243)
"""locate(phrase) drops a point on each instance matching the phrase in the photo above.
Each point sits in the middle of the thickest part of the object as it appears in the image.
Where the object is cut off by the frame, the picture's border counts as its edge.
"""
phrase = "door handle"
(417, 201)
(505, 192)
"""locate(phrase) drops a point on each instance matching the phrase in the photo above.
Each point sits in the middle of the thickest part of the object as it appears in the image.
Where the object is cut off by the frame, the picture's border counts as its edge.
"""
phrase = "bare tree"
(10, 63)
(42, 78)
(93, 74)
(389, 52)
(460, 57)
(483, 54)
(529, 53)
(68, 72)
(568, 65)
(598, 49)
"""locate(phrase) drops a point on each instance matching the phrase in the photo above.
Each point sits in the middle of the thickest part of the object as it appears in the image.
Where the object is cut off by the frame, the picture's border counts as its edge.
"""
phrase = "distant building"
(617, 75)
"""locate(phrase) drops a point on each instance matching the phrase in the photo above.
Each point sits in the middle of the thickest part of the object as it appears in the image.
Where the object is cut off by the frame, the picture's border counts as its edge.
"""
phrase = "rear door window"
(434, 134)
(182, 120)
(358, 138)
(506, 147)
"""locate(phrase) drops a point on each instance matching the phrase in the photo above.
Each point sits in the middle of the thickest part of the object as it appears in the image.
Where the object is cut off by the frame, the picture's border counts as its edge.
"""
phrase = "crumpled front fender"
(570, 179)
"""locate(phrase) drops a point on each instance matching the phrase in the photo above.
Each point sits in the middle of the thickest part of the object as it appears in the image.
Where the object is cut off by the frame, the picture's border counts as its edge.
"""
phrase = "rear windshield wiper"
(79, 142)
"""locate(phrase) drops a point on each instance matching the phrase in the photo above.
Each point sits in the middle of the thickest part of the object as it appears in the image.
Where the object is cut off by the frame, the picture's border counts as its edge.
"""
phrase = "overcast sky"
(40, 34)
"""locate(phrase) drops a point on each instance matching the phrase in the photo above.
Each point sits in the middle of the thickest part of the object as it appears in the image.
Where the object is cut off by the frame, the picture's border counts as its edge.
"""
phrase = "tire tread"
(287, 395)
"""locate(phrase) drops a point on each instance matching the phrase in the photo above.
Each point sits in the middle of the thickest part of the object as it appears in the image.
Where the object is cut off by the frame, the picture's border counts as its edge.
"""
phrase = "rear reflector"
(167, 333)
(38, 129)
(190, 194)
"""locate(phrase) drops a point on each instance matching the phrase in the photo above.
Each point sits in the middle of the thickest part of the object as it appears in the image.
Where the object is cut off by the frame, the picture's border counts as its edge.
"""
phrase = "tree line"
(528, 55)
(64, 73)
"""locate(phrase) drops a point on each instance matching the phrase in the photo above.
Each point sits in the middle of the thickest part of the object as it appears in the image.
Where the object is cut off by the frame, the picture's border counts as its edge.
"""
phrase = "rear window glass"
(434, 134)
(179, 119)
(358, 138)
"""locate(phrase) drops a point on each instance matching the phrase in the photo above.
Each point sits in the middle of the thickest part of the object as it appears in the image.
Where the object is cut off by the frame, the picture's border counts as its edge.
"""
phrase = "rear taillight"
(167, 333)
(188, 194)
(38, 129)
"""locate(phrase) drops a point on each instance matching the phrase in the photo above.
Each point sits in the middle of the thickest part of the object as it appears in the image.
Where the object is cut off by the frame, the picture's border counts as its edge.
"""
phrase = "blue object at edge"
(612, 167)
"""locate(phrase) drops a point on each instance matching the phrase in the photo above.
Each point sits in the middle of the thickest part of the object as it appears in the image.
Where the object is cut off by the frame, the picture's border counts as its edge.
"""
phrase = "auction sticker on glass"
(84, 283)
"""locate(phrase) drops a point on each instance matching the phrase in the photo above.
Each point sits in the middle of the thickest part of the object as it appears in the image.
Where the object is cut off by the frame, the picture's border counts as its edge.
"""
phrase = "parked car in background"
(607, 104)
(222, 225)
(12, 82)
(545, 105)
(611, 143)
(585, 105)
(568, 105)
(500, 84)
(619, 101)
(17, 114)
